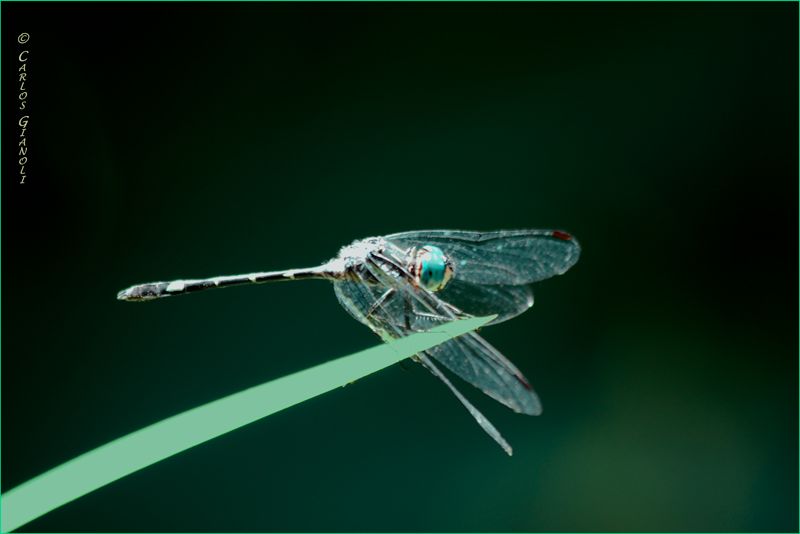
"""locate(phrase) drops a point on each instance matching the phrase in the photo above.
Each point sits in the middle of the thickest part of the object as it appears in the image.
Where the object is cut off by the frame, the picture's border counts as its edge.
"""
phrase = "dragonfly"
(408, 282)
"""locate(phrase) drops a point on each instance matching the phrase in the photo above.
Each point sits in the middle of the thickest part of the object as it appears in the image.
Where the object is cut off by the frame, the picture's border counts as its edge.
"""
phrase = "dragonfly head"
(432, 269)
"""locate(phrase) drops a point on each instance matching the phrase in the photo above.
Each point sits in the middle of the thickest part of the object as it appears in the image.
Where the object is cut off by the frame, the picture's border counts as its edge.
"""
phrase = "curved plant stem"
(142, 448)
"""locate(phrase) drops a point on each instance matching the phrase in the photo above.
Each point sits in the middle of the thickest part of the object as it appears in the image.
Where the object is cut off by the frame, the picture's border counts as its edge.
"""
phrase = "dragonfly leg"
(408, 312)
(432, 316)
(402, 270)
(378, 303)
(455, 310)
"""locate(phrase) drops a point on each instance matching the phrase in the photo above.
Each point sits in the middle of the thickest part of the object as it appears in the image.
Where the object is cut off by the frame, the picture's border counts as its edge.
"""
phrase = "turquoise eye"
(433, 269)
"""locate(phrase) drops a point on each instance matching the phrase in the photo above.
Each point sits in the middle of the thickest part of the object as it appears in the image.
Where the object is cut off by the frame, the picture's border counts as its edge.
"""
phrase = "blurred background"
(191, 140)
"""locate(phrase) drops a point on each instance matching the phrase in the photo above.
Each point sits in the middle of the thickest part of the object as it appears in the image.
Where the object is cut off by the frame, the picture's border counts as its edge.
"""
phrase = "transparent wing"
(481, 300)
(485, 424)
(472, 358)
(469, 356)
(510, 257)
(377, 304)
(367, 302)
(363, 301)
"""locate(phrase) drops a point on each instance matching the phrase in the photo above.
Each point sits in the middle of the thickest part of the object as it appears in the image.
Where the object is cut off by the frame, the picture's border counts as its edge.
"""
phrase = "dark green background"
(185, 140)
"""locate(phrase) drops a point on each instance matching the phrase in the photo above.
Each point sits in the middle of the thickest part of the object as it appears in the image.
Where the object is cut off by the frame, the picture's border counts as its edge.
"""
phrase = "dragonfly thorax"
(355, 254)
(431, 268)
(428, 265)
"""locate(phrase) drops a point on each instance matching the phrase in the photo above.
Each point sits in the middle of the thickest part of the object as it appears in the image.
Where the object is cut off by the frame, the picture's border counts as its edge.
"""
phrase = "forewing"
(509, 257)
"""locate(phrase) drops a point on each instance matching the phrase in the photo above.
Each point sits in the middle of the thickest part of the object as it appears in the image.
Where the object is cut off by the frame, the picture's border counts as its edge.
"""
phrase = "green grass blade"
(125, 455)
